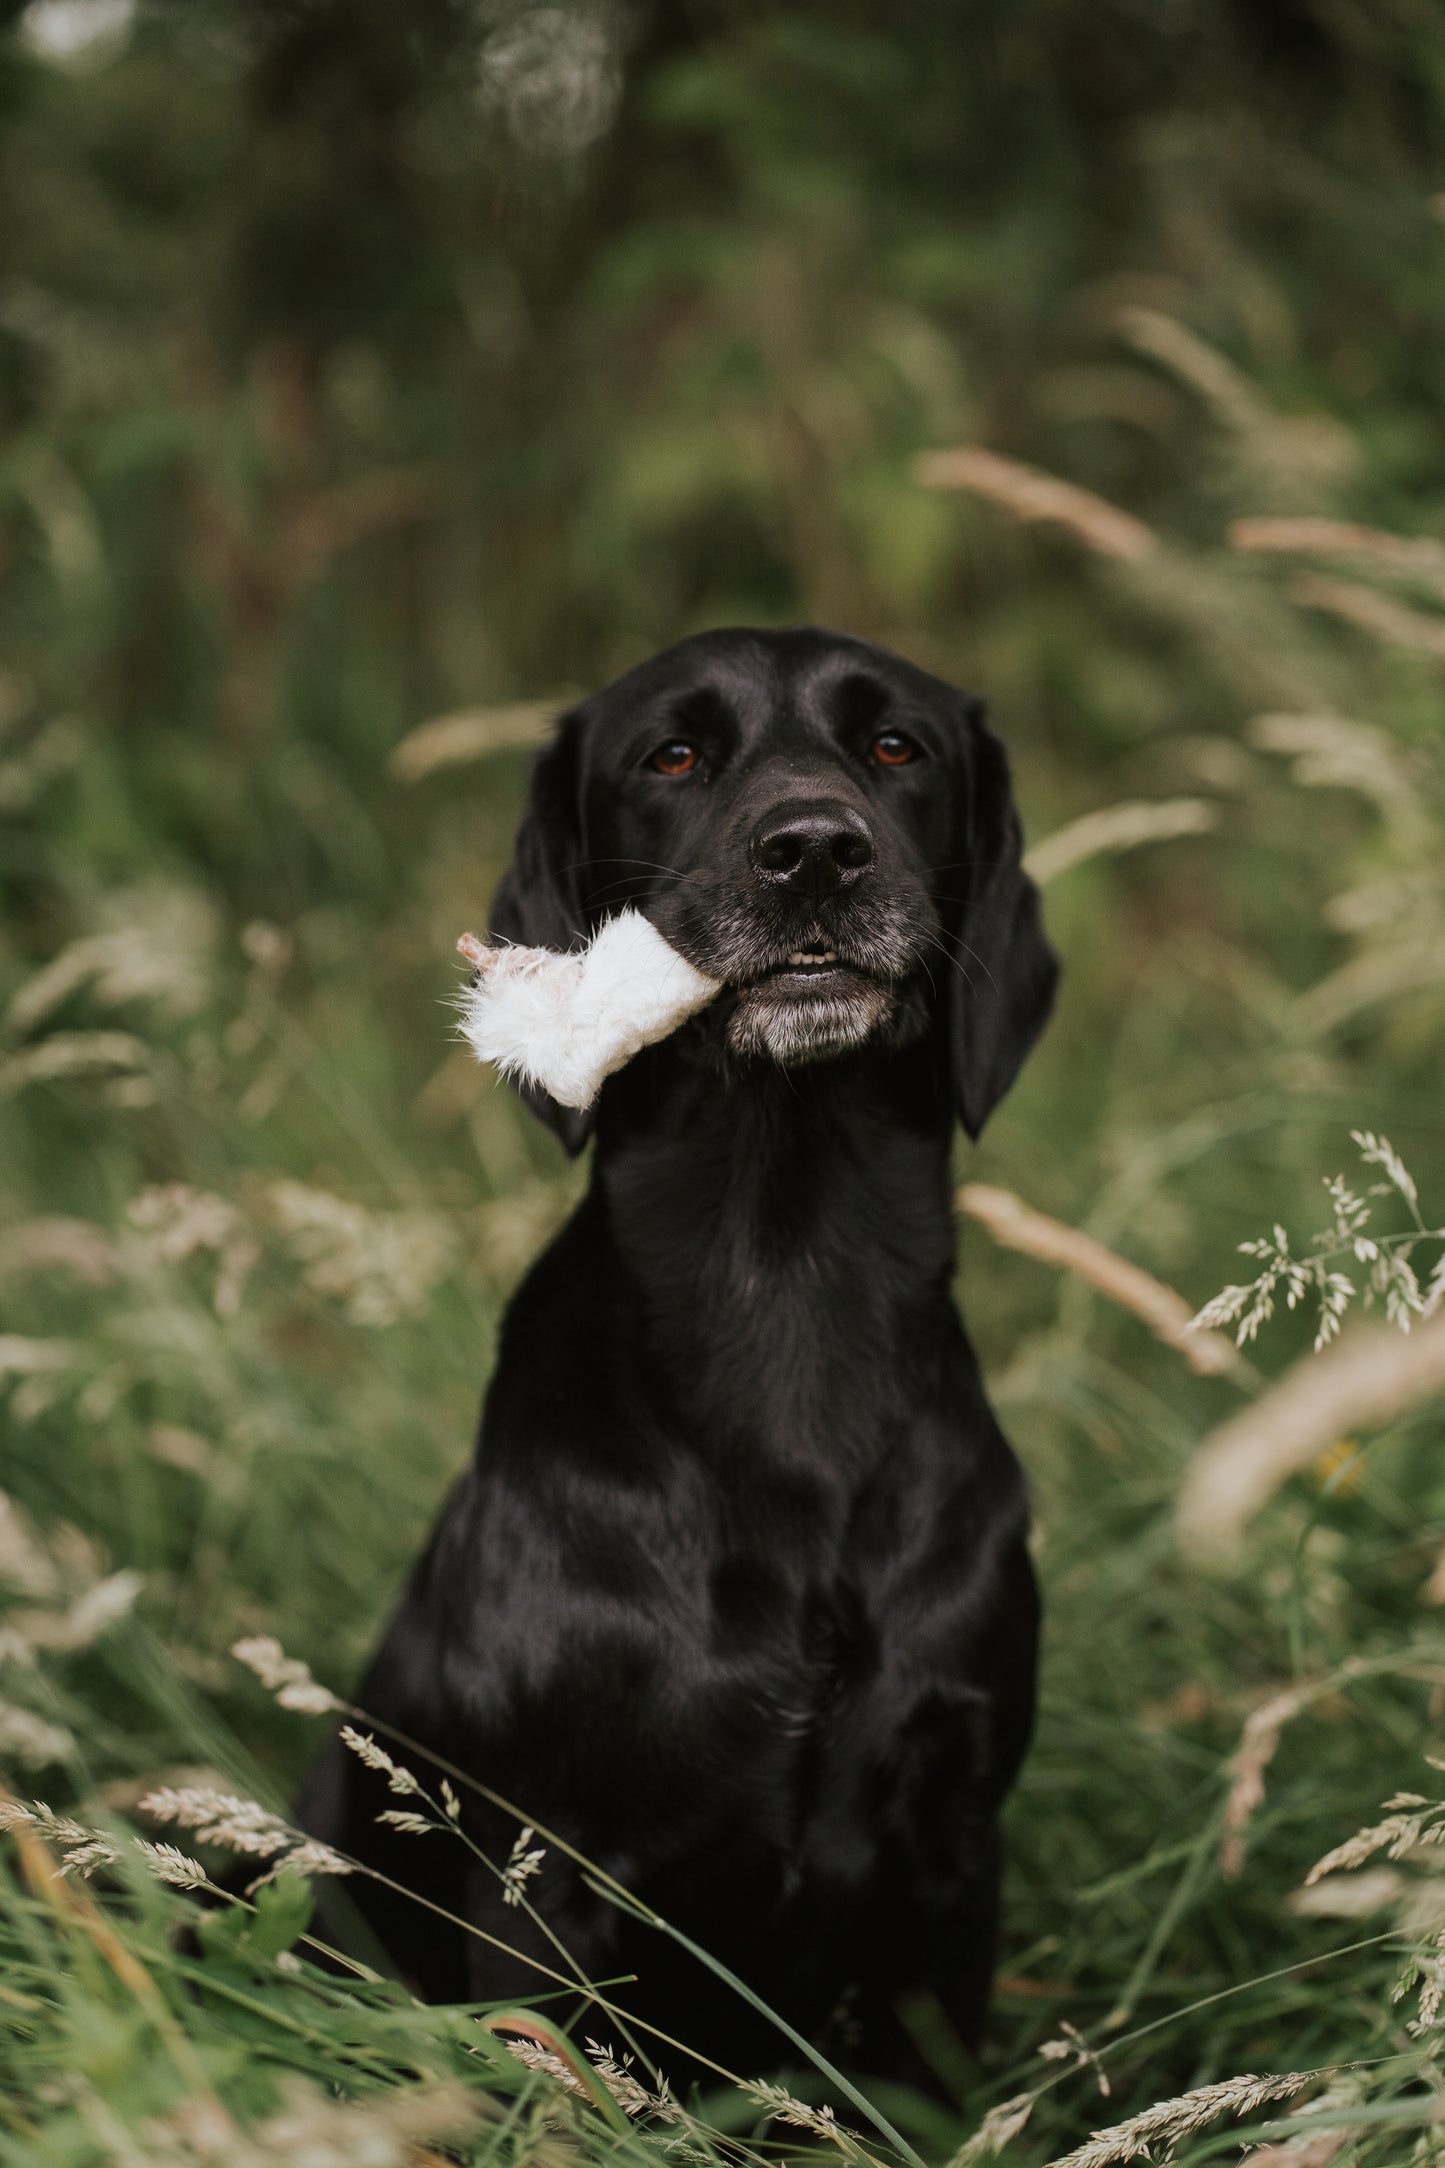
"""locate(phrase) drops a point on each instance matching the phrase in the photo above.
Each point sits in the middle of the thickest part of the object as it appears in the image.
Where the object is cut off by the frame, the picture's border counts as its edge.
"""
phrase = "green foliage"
(361, 365)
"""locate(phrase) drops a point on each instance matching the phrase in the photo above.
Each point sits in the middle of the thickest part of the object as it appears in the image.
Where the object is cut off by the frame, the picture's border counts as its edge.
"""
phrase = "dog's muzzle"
(812, 935)
(823, 984)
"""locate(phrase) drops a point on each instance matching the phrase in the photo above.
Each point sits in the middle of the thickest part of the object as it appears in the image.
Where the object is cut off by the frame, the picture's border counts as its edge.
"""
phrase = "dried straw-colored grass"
(1250, 1760)
(1226, 390)
(1170, 2120)
(1372, 1375)
(1333, 752)
(450, 741)
(1114, 828)
(1339, 538)
(1315, 2152)
(71, 1054)
(1031, 495)
(1380, 974)
(1017, 1226)
(1301, 450)
(284, 1676)
(1381, 615)
(54, 1243)
(1258, 1743)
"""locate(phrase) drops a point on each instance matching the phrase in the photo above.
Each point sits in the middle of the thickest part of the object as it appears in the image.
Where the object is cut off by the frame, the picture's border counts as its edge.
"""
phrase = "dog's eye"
(892, 750)
(677, 757)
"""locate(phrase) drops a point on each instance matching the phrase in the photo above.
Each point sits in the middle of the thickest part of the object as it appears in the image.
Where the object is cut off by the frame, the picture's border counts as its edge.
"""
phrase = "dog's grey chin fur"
(792, 1029)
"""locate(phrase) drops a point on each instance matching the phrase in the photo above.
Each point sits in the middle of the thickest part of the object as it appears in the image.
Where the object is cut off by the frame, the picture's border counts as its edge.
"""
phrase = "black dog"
(735, 1596)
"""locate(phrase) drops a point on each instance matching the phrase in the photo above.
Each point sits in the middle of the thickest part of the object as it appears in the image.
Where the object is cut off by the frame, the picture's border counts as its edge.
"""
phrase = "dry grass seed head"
(31, 1739)
(1170, 2120)
(1072, 2046)
(627, 2090)
(178, 1220)
(1001, 2125)
(219, 1818)
(1116, 828)
(1396, 1835)
(533, 2057)
(55, 1243)
(1339, 538)
(86, 1618)
(521, 1866)
(1033, 495)
(284, 1676)
(410, 1825)
(381, 1265)
(307, 1858)
(783, 2107)
(1247, 1765)
(155, 945)
(1350, 1896)
(24, 1562)
(1392, 622)
(474, 734)
(399, 1778)
(84, 1053)
(43, 1820)
(83, 1859)
(1333, 752)
(169, 1864)
(387, 2130)
(81, 1849)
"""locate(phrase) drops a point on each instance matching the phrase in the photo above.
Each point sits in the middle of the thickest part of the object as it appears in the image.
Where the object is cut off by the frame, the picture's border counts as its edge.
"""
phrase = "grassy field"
(259, 1215)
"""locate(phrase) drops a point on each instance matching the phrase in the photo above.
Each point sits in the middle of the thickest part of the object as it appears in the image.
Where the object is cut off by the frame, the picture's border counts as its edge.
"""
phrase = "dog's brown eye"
(674, 758)
(892, 750)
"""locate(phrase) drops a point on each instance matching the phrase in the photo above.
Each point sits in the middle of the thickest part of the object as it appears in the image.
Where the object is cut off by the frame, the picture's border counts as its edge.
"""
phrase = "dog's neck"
(787, 1235)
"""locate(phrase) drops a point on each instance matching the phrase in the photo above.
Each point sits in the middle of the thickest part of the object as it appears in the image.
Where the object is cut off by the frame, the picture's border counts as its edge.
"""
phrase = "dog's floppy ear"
(538, 902)
(1001, 994)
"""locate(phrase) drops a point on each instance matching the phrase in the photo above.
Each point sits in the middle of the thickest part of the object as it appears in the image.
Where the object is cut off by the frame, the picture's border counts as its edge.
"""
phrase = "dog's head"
(821, 826)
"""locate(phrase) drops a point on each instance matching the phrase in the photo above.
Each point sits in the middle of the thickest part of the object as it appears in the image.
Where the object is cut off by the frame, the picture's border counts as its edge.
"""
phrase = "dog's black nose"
(813, 848)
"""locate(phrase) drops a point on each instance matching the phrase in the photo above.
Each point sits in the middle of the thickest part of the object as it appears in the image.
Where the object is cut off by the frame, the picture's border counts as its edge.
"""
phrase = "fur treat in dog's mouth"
(564, 1021)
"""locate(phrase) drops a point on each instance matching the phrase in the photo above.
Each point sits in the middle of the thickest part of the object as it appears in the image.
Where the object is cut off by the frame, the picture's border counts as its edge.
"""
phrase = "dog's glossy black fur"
(735, 1594)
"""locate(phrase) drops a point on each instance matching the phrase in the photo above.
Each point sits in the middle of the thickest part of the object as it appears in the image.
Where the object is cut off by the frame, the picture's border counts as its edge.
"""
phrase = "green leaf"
(282, 1915)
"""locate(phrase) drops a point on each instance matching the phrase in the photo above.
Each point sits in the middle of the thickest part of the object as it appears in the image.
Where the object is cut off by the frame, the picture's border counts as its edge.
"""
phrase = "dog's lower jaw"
(792, 1028)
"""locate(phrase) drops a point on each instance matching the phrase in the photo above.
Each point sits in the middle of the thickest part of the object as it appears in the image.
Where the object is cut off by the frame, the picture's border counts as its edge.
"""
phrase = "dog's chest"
(793, 1638)
(788, 1290)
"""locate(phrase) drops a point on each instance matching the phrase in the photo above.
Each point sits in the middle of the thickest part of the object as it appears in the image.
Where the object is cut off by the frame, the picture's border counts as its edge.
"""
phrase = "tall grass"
(262, 1220)
(287, 594)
